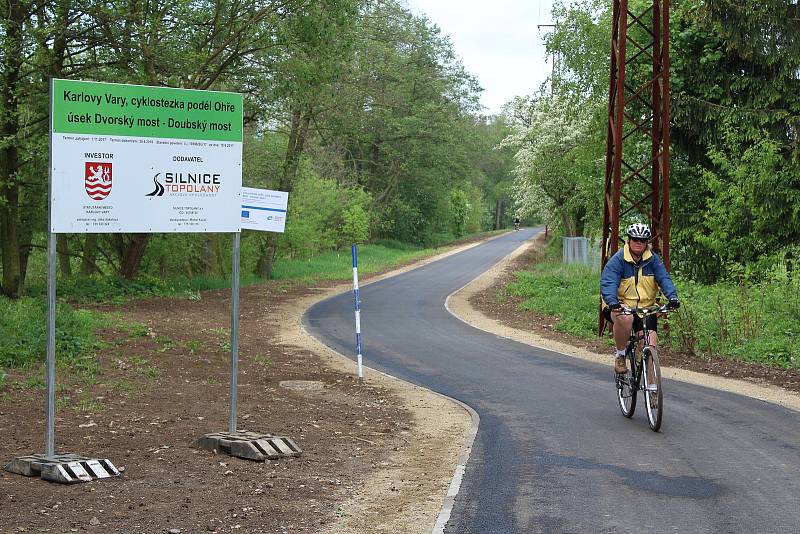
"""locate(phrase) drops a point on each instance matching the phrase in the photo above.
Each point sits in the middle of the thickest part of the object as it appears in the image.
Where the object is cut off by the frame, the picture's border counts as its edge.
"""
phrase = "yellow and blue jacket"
(635, 284)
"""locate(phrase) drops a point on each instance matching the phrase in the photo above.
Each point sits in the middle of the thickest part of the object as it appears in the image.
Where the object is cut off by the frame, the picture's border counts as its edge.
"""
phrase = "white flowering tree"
(559, 172)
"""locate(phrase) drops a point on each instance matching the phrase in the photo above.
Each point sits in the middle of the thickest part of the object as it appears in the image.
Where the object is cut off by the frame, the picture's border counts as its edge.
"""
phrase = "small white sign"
(264, 210)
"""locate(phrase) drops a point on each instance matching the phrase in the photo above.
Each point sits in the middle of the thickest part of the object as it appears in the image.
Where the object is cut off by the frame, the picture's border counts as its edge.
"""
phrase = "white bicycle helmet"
(639, 231)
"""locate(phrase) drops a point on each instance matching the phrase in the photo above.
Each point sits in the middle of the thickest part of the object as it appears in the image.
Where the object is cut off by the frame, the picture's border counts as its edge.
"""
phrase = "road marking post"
(357, 304)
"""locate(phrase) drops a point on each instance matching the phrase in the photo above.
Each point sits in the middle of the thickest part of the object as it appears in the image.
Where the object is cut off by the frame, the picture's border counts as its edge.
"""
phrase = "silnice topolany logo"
(159, 190)
(203, 183)
(97, 179)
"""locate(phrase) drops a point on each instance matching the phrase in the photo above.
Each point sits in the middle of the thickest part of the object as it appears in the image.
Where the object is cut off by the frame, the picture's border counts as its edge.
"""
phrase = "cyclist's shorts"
(652, 321)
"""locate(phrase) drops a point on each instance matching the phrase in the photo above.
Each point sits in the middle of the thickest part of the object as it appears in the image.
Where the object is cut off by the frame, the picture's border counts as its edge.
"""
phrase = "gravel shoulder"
(406, 493)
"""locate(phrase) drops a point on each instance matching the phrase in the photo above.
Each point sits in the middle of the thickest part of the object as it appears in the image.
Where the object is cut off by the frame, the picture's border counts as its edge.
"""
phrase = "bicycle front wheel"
(627, 388)
(654, 400)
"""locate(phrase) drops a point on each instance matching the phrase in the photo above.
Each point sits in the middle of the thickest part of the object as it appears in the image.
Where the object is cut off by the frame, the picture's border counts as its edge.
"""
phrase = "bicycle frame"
(636, 379)
(639, 355)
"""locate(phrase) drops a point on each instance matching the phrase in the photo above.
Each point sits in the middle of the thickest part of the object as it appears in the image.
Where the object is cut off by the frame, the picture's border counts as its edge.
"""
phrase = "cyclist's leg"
(621, 327)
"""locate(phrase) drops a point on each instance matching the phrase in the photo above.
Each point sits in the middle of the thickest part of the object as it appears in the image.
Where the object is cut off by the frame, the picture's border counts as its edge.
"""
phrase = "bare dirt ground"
(485, 304)
(378, 456)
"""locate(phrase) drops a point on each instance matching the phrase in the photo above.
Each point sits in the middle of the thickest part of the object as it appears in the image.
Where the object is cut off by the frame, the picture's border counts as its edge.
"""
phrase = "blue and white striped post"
(357, 302)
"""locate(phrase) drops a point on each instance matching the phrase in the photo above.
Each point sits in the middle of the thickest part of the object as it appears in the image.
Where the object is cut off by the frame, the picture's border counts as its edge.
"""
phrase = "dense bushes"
(741, 318)
(324, 215)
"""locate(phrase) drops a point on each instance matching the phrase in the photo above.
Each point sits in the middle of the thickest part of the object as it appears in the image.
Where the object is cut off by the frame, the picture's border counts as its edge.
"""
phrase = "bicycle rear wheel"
(627, 387)
(654, 400)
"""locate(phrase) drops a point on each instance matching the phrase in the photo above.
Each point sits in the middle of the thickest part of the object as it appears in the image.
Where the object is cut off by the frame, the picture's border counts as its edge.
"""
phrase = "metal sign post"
(263, 210)
(50, 377)
(234, 331)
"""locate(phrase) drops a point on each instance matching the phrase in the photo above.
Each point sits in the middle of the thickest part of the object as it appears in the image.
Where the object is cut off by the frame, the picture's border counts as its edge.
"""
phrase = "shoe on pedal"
(620, 366)
(653, 398)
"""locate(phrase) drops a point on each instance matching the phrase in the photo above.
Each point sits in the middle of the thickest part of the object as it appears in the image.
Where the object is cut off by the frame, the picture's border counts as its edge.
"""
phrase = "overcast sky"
(498, 42)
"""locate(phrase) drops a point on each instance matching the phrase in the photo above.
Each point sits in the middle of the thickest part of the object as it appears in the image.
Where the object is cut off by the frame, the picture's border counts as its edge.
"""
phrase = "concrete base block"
(249, 445)
(63, 468)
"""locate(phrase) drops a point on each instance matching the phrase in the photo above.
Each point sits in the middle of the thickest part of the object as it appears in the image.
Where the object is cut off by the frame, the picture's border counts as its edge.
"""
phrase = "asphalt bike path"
(553, 453)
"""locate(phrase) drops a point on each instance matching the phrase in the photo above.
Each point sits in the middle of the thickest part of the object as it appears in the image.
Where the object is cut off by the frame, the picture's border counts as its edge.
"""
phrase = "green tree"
(557, 174)
(736, 111)
(320, 39)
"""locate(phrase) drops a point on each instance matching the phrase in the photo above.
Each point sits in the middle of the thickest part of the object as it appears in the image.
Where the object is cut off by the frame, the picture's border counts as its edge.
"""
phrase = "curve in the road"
(552, 453)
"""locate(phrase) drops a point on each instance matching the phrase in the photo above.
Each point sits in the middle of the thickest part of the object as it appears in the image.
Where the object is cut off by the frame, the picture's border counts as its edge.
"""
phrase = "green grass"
(88, 404)
(338, 265)
(263, 361)
(143, 367)
(23, 333)
(755, 322)
(126, 386)
(750, 322)
(114, 289)
(332, 265)
(569, 292)
(133, 329)
(36, 382)
(194, 346)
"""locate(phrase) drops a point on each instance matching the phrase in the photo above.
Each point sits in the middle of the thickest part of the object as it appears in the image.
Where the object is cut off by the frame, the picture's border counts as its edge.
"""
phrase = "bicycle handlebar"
(644, 312)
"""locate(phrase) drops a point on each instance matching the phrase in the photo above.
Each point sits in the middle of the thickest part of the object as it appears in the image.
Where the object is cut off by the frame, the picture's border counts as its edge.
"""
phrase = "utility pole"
(553, 67)
(638, 111)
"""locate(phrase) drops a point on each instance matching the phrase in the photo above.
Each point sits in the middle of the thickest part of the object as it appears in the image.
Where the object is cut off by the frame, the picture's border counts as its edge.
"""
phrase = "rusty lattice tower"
(637, 150)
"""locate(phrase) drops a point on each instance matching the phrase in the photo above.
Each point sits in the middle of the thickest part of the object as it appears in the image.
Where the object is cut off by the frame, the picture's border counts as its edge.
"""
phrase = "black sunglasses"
(639, 240)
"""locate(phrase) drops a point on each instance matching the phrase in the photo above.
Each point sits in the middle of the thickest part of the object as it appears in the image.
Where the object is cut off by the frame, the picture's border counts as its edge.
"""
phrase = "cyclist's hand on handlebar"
(673, 304)
(616, 307)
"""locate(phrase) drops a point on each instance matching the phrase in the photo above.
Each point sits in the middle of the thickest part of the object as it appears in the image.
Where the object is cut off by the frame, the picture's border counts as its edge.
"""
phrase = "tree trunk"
(267, 258)
(498, 213)
(28, 220)
(9, 243)
(89, 260)
(294, 149)
(13, 21)
(132, 255)
(568, 223)
(62, 247)
(206, 255)
(297, 141)
(220, 257)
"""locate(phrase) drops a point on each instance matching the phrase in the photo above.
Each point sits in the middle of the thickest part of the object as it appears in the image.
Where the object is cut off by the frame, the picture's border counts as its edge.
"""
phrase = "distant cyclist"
(632, 278)
(516, 223)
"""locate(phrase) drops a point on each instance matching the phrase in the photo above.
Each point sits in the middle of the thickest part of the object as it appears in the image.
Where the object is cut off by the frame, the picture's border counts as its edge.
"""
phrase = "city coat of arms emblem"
(98, 179)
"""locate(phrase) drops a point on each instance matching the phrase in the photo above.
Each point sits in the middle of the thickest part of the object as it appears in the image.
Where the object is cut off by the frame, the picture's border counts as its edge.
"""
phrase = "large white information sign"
(263, 209)
(129, 158)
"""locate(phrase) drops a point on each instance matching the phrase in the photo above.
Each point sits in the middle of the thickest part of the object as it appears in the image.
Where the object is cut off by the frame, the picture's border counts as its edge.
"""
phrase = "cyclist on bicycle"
(516, 223)
(632, 278)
